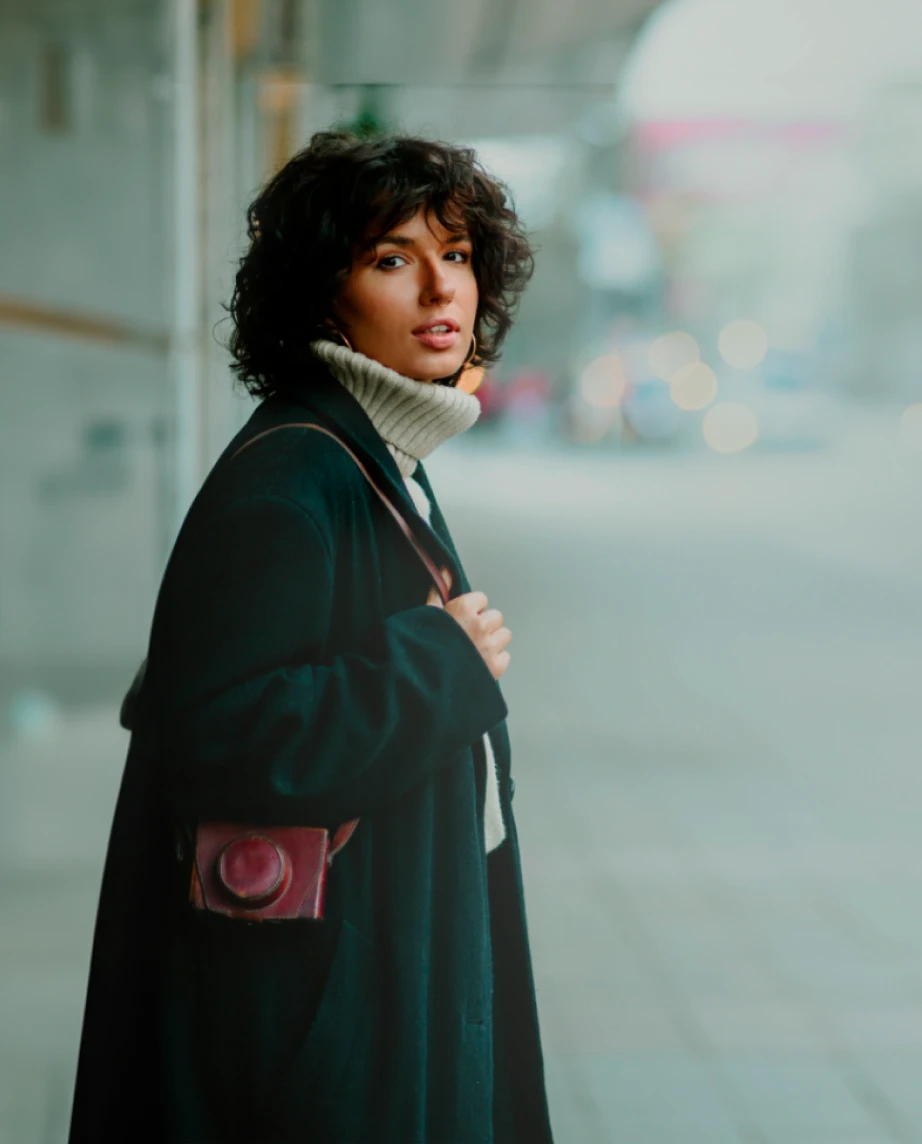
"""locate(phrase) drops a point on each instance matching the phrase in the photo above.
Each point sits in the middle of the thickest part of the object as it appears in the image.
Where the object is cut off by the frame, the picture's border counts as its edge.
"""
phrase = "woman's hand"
(483, 628)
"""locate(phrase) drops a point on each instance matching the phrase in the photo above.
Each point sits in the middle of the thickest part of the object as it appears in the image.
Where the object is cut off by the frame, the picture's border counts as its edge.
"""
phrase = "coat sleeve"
(258, 725)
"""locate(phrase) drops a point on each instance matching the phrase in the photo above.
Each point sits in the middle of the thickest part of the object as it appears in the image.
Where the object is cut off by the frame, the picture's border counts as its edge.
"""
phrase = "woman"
(304, 671)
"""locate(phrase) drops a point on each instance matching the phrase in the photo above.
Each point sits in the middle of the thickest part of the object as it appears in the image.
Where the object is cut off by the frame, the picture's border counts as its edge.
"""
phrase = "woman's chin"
(427, 366)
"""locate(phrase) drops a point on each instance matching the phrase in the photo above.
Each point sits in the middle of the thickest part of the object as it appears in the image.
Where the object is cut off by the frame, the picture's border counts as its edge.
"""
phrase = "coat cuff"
(482, 701)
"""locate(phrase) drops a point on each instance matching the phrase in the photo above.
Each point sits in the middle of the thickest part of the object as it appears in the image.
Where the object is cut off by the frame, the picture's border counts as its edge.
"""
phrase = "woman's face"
(410, 303)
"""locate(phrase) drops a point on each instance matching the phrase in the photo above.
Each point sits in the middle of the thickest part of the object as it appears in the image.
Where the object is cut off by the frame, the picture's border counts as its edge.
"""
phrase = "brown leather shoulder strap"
(404, 527)
(342, 835)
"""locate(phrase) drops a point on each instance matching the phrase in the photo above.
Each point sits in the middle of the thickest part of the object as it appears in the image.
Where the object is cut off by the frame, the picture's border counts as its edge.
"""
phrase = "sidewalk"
(714, 715)
(57, 792)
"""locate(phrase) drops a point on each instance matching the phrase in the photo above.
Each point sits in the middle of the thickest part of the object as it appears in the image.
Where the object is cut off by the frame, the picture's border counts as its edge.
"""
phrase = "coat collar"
(333, 406)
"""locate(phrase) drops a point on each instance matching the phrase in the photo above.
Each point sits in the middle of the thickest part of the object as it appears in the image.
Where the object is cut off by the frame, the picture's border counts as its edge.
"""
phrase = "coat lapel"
(438, 526)
(334, 407)
(499, 735)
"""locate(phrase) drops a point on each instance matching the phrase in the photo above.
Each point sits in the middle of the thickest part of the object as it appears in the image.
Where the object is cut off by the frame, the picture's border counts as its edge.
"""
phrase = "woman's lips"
(438, 341)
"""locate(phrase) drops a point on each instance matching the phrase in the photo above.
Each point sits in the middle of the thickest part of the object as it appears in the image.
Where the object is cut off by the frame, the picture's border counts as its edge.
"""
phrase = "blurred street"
(714, 717)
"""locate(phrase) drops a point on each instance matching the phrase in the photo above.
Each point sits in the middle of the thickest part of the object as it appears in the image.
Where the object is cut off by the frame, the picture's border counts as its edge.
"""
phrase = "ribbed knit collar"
(413, 417)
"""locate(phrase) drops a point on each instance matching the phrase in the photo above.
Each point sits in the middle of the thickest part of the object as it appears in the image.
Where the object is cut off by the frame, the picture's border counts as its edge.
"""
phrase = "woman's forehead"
(424, 220)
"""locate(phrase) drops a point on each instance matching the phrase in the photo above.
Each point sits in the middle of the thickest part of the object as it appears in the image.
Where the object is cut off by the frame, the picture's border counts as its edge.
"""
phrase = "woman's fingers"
(491, 619)
(483, 625)
(496, 641)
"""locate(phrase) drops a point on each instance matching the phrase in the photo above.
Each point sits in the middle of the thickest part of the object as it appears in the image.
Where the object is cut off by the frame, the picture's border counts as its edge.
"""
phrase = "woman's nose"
(437, 286)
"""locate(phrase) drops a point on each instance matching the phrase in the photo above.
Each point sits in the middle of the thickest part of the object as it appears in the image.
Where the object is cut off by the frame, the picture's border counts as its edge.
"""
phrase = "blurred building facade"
(133, 136)
(679, 180)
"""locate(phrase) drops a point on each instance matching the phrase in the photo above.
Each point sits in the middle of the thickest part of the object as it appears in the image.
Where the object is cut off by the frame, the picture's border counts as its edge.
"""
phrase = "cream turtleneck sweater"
(413, 418)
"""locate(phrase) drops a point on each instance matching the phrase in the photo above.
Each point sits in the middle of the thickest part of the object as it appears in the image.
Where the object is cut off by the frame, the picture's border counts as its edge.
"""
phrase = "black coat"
(296, 675)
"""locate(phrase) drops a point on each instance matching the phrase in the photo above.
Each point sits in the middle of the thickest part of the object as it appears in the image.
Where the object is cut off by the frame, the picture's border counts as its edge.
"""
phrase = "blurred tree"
(370, 120)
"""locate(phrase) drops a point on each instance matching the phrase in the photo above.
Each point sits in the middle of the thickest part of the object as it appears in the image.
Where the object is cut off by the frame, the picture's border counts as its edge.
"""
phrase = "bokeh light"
(743, 343)
(670, 353)
(590, 423)
(730, 427)
(911, 427)
(694, 386)
(603, 381)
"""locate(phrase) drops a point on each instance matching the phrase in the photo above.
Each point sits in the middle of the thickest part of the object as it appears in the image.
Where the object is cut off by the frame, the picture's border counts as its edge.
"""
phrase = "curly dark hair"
(338, 196)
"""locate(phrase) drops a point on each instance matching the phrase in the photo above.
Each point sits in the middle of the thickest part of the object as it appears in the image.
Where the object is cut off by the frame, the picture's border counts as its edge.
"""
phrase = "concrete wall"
(98, 455)
(82, 238)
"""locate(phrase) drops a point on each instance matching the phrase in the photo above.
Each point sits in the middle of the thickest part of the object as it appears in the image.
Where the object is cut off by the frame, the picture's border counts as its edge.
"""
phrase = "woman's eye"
(463, 256)
(383, 264)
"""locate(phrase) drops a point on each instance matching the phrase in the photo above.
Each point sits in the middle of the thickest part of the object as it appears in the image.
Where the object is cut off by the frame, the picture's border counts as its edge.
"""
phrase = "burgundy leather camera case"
(260, 873)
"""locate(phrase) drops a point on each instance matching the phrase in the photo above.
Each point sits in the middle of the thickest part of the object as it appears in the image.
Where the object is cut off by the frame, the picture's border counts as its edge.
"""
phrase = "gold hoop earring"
(338, 332)
(473, 353)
